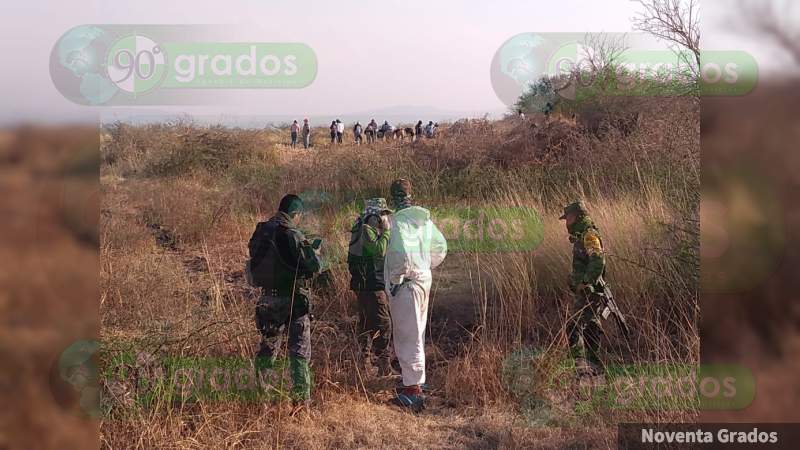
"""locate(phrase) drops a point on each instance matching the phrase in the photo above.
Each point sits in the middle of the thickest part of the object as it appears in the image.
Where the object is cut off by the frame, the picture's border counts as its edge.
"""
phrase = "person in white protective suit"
(415, 247)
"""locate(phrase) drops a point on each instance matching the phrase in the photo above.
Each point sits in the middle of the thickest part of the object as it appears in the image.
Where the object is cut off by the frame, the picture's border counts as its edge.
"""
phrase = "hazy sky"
(726, 27)
(371, 54)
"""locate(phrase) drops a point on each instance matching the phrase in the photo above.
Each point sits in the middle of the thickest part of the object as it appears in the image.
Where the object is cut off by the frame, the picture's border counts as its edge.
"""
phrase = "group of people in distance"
(296, 129)
(372, 132)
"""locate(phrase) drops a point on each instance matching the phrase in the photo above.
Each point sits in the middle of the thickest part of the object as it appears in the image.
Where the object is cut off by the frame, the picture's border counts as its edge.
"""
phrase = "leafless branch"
(605, 50)
(674, 21)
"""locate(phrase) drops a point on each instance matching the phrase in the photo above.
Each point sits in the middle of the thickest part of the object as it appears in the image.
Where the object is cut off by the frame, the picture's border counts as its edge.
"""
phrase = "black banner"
(709, 435)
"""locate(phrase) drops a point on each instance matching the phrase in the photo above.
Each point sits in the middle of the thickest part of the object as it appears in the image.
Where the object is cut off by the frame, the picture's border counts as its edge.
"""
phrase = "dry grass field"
(179, 202)
(172, 239)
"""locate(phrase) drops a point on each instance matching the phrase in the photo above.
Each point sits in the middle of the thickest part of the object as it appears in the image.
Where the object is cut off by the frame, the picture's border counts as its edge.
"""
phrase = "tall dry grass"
(173, 244)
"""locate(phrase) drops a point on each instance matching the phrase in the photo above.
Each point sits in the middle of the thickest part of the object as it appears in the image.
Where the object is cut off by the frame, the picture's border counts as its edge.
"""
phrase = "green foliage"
(620, 82)
(537, 96)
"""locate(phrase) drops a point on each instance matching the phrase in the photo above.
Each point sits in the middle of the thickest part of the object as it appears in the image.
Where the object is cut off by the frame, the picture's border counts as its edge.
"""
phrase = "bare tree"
(675, 21)
(600, 54)
(763, 17)
(605, 50)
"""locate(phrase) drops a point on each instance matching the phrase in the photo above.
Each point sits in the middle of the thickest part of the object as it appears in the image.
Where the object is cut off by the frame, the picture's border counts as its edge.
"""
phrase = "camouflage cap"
(400, 188)
(375, 206)
(574, 207)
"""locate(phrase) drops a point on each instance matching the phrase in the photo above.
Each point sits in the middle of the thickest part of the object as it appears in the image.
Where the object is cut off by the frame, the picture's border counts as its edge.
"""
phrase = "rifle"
(609, 307)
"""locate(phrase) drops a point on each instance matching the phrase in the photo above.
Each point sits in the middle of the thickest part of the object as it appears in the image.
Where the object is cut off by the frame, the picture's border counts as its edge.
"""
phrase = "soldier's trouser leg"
(375, 323)
(365, 324)
(380, 346)
(265, 358)
(585, 331)
(591, 336)
(299, 355)
(269, 327)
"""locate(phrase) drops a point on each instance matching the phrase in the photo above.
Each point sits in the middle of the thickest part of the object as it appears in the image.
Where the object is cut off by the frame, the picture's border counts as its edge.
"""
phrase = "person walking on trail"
(372, 128)
(294, 130)
(369, 238)
(385, 130)
(586, 282)
(339, 130)
(282, 261)
(357, 133)
(429, 129)
(415, 247)
(333, 127)
(306, 134)
(418, 130)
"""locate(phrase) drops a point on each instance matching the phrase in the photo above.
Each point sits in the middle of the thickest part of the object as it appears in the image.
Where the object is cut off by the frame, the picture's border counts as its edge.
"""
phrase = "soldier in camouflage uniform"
(282, 261)
(586, 282)
(369, 239)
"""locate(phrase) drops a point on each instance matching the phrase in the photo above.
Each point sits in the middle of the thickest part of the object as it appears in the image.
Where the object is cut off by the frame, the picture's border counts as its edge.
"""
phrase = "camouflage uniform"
(365, 262)
(586, 281)
(273, 313)
(285, 302)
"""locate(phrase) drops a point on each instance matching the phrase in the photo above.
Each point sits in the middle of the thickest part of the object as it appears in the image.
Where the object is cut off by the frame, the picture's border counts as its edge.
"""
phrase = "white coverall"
(415, 247)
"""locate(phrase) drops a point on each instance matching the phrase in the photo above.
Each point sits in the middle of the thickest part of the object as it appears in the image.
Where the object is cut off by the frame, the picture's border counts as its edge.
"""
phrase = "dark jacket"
(280, 250)
(365, 257)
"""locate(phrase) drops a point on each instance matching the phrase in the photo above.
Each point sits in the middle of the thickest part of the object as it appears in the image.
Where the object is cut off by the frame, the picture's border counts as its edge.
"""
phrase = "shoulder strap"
(274, 247)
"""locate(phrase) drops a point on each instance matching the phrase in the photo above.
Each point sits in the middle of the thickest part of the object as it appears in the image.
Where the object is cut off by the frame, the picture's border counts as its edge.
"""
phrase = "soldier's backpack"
(264, 257)
(266, 263)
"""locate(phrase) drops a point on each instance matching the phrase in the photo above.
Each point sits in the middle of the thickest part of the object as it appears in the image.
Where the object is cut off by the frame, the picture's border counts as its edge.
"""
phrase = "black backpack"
(366, 273)
(261, 267)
